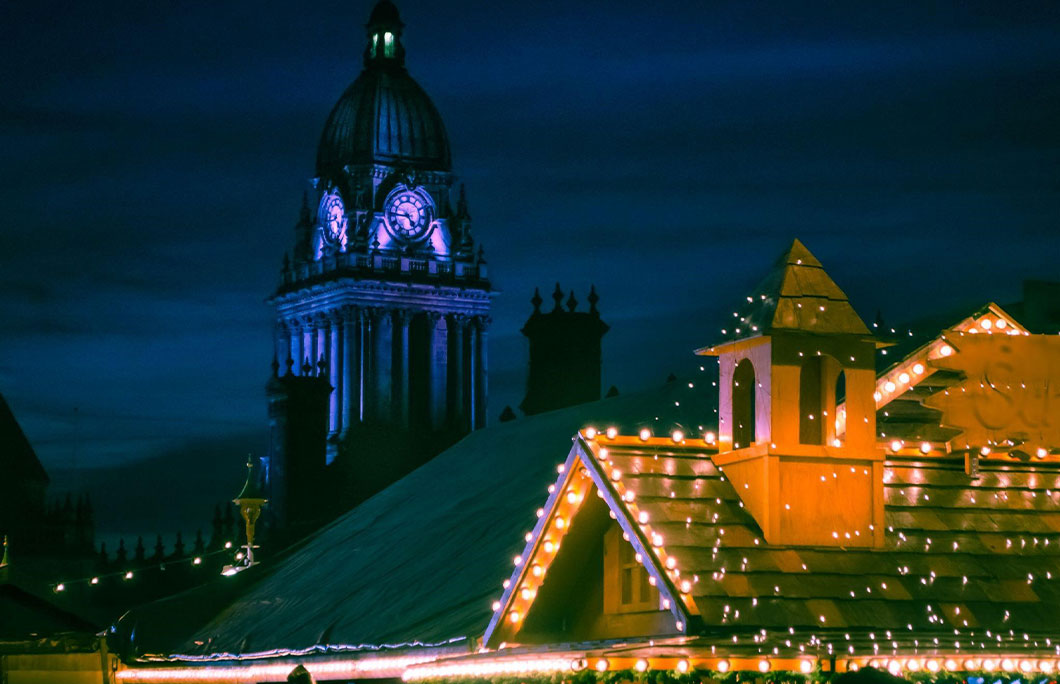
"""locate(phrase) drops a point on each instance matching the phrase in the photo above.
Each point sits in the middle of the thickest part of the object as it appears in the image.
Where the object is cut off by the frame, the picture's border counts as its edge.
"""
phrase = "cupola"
(794, 346)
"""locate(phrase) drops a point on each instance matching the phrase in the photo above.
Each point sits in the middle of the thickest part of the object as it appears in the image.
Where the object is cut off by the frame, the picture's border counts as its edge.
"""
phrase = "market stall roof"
(417, 564)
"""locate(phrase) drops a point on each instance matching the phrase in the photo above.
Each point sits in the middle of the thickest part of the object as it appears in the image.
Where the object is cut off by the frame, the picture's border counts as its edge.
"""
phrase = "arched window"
(839, 421)
(743, 405)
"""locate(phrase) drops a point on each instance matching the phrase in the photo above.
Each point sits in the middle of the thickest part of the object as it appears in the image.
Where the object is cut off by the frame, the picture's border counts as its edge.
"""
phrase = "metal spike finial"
(307, 367)
(290, 365)
(536, 300)
(5, 559)
(572, 303)
(593, 299)
(557, 296)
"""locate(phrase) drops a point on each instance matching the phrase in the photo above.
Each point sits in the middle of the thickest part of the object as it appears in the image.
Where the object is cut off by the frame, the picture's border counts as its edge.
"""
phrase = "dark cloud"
(154, 158)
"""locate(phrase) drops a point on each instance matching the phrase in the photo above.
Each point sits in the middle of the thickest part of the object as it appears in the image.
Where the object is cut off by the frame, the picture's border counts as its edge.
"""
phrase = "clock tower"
(385, 294)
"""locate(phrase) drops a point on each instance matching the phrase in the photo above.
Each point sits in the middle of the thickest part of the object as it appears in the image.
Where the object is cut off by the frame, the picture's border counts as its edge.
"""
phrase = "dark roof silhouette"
(18, 461)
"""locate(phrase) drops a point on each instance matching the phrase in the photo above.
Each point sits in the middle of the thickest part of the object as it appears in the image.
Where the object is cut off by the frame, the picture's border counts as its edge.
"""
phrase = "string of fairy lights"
(128, 574)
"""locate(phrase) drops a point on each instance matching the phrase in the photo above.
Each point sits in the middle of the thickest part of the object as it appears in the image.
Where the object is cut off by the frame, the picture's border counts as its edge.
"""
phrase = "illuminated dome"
(384, 116)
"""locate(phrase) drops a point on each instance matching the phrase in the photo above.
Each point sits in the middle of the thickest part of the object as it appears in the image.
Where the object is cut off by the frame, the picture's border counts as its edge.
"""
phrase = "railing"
(429, 269)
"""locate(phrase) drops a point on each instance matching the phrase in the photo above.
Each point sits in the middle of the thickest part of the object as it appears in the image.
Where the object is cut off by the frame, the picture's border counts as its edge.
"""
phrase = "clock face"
(408, 214)
(332, 217)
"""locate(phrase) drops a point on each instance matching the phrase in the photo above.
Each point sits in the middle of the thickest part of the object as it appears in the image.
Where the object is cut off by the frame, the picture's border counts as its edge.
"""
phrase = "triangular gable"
(587, 472)
(18, 461)
(908, 373)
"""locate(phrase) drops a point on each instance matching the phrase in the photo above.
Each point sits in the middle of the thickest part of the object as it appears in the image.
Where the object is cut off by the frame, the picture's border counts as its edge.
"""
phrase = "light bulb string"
(93, 580)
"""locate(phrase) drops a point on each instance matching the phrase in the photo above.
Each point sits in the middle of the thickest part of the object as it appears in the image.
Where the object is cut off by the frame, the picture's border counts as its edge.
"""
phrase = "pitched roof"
(419, 563)
(17, 458)
(964, 558)
(796, 295)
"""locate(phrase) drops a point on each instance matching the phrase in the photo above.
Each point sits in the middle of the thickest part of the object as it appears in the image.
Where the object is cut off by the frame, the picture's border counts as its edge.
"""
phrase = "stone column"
(295, 335)
(402, 318)
(321, 349)
(351, 368)
(437, 354)
(283, 346)
(309, 345)
(335, 372)
(382, 364)
(479, 379)
(457, 411)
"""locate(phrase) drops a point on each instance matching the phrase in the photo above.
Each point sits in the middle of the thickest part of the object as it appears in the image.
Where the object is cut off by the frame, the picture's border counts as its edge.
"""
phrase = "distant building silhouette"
(565, 353)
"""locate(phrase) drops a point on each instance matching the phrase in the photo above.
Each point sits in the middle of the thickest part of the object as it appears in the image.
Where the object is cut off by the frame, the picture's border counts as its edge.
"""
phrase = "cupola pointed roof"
(796, 295)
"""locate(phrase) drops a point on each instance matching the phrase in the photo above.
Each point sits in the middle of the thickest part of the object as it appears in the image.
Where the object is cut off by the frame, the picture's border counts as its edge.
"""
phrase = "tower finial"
(593, 299)
(572, 303)
(557, 296)
(536, 300)
(384, 36)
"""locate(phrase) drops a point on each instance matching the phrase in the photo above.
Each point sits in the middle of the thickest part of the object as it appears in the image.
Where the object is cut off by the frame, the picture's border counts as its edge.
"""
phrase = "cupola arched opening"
(743, 405)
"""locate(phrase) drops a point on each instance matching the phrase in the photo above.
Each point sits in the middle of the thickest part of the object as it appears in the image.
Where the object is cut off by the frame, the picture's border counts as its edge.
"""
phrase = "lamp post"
(250, 501)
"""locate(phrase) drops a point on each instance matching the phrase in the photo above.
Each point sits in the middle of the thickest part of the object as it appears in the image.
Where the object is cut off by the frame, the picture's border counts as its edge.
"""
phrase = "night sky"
(153, 157)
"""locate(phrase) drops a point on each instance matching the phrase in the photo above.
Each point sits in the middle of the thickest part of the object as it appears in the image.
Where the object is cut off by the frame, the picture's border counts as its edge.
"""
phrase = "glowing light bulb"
(572, 497)
(560, 523)
(763, 666)
(1008, 665)
(642, 665)
(612, 432)
(496, 606)
(60, 587)
(806, 666)
(1041, 453)
(527, 594)
(642, 517)
(986, 323)
(945, 350)
(128, 575)
(197, 561)
(601, 665)
(889, 386)
(989, 664)
(671, 562)
(896, 445)
(228, 545)
(616, 474)
(710, 438)
(517, 561)
(723, 666)
(950, 664)
(514, 616)
(686, 586)
(903, 378)
(912, 664)
(985, 451)
(1045, 666)
(682, 666)
(925, 447)
(549, 546)
(94, 580)
(1026, 666)
(537, 570)
(590, 432)
(677, 436)
(645, 434)
(894, 667)
(629, 496)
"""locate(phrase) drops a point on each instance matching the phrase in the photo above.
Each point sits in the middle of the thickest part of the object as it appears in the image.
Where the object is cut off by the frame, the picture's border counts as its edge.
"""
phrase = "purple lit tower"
(386, 286)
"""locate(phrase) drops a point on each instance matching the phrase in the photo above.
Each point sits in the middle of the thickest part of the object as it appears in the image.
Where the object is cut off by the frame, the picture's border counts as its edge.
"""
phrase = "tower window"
(375, 44)
(388, 44)
(743, 405)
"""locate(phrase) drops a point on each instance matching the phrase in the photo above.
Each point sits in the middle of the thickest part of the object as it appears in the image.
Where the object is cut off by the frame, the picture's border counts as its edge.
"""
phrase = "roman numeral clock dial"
(408, 215)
